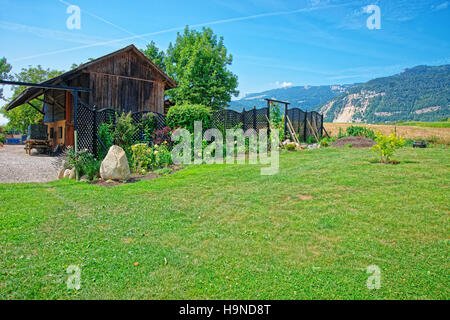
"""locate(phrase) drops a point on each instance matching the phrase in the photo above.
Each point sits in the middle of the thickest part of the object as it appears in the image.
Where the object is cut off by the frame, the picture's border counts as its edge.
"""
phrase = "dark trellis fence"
(90, 119)
(306, 124)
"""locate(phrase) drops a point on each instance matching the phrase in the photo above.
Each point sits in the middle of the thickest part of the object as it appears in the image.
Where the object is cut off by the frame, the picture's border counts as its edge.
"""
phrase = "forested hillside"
(421, 93)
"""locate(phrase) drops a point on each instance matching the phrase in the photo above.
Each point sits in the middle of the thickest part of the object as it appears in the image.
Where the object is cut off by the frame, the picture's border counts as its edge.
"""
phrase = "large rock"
(115, 165)
(73, 174)
(67, 173)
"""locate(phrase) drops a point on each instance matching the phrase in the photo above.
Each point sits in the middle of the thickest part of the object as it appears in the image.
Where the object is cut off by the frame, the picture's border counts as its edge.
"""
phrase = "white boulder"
(73, 174)
(115, 165)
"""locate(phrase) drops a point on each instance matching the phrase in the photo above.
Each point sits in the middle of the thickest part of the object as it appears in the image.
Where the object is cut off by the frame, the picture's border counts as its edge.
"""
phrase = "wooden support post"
(243, 119)
(254, 118)
(305, 125)
(285, 121)
(321, 127)
(268, 117)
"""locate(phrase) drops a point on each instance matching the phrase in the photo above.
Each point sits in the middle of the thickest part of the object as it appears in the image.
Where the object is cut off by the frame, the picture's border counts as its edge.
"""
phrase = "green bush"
(355, 131)
(148, 126)
(104, 135)
(84, 163)
(123, 131)
(386, 146)
(184, 116)
(290, 147)
(2, 137)
(145, 158)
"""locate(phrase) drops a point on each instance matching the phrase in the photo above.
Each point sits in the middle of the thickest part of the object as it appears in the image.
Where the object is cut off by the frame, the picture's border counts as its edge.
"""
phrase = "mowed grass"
(226, 232)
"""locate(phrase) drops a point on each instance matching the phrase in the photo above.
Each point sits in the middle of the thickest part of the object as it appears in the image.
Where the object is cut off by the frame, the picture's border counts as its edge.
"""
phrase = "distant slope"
(420, 94)
(306, 98)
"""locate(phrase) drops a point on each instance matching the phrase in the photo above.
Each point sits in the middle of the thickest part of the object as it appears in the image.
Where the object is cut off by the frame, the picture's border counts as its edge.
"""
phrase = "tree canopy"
(198, 61)
(5, 69)
(157, 56)
(21, 117)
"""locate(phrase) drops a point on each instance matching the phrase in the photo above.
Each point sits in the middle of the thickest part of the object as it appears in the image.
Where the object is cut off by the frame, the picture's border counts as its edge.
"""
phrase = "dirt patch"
(354, 142)
(305, 197)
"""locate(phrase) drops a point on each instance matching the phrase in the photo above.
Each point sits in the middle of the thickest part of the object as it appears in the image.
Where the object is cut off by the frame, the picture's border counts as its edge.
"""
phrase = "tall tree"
(157, 56)
(21, 117)
(199, 62)
(5, 69)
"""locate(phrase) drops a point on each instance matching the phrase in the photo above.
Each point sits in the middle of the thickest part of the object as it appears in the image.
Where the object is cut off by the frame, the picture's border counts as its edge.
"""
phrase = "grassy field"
(439, 134)
(445, 124)
(225, 231)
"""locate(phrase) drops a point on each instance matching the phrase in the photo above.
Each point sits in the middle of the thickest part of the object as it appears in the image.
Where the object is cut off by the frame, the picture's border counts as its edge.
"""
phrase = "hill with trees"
(306, 98)
(419, 94)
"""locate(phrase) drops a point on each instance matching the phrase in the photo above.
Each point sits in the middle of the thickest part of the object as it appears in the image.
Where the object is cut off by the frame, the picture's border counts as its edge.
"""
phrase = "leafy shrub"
(162, 136)
(124, 130)
(386, 146)
(84, 163)
(355, 131)
(184, 116)
(148, 126)
(290, 147)
(163, 156)
(142, 157)
(311, 140)
(444, 119)
(2, 137)
(145, 158)
(104, 135)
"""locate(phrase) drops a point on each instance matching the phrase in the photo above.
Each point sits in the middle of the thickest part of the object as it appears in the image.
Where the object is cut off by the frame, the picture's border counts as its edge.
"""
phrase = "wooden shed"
(125, 81)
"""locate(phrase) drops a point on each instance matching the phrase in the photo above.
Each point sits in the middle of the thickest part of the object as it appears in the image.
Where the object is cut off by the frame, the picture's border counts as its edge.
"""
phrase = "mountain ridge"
(421, 93)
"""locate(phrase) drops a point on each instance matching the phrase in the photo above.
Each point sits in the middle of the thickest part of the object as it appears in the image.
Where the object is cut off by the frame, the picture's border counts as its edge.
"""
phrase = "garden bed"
(354, 142)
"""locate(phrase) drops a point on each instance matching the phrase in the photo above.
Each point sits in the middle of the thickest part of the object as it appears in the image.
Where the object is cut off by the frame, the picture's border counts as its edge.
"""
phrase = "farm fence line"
(305, 124)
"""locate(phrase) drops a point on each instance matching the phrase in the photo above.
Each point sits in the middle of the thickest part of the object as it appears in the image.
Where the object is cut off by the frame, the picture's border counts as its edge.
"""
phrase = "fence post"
(243, 119)
(94, 132)
(254, 118)
(321, 127)
(75, 119)
(268, 117)
(305, 125)
(285, 120)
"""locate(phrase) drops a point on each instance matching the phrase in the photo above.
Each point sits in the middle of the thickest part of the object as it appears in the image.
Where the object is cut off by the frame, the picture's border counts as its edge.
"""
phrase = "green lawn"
(228, 232)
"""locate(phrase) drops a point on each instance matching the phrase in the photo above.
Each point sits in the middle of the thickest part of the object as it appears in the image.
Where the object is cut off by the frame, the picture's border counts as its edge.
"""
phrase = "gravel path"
(16, 166)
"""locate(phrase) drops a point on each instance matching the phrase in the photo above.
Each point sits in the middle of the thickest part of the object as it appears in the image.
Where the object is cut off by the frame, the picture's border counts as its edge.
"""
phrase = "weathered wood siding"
(126, 83)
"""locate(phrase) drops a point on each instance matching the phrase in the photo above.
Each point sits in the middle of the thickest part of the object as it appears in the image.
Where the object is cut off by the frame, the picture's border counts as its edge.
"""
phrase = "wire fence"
(306, 125)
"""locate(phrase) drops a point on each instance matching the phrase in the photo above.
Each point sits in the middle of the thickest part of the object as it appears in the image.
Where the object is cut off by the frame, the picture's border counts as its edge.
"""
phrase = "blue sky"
(274, 43)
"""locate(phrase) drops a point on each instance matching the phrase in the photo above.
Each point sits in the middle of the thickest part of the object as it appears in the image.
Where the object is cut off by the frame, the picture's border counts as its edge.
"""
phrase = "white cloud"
(441, 6)
(283, 84)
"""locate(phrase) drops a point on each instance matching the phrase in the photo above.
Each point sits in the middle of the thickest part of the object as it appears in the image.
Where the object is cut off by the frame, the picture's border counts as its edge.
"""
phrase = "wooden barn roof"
(32, 93)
